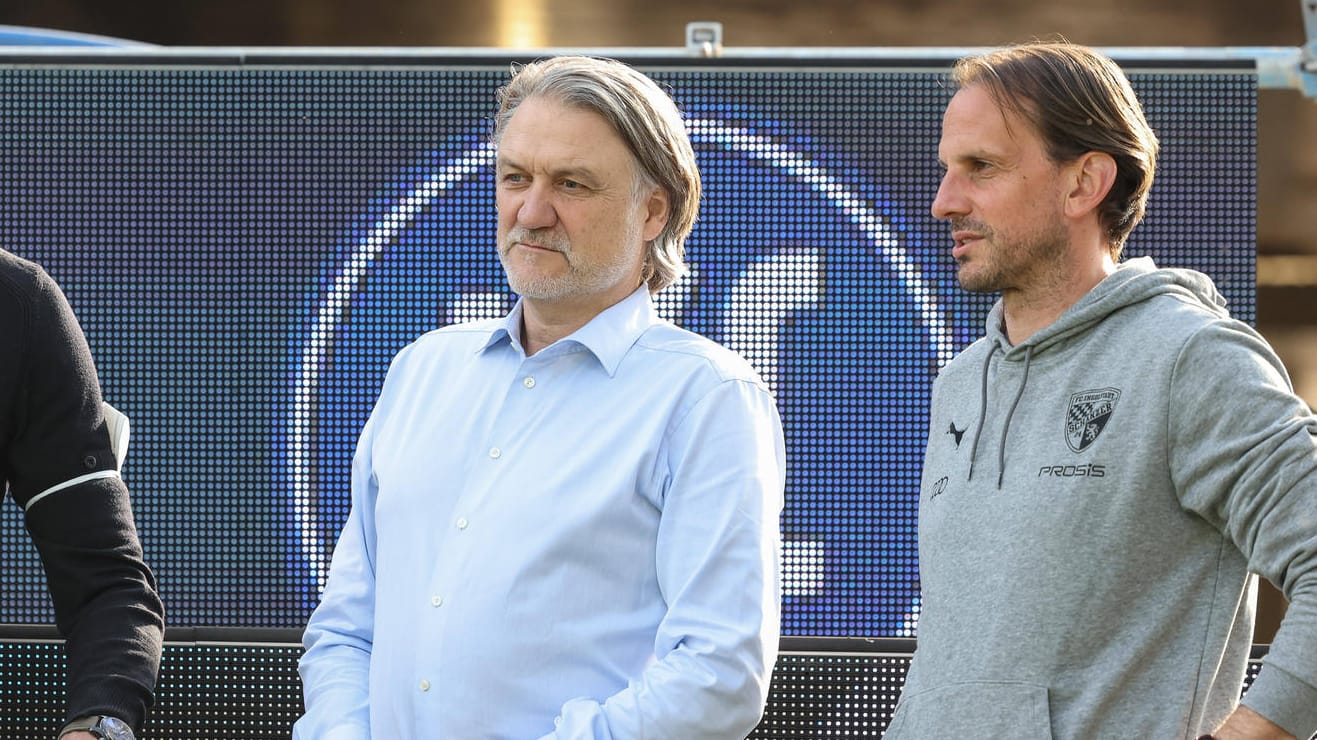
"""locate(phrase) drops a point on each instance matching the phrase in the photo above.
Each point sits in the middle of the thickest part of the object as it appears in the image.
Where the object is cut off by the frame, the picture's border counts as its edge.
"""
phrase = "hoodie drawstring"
(983, 411)
(1006, 428)
(983, 414)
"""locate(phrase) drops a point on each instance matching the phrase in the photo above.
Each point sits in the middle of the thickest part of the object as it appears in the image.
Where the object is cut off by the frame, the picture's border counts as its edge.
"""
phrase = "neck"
(1039, 303)
(540, 328)
(545, 322)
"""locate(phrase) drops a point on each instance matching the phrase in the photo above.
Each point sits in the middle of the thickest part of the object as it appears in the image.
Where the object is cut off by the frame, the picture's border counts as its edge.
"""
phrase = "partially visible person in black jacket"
(58, 464)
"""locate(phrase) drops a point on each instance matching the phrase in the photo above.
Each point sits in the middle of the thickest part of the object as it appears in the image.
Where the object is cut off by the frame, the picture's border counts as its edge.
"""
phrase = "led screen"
(248, 244)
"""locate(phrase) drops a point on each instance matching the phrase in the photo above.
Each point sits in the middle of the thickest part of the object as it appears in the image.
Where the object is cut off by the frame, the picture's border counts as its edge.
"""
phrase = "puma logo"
(956, 433)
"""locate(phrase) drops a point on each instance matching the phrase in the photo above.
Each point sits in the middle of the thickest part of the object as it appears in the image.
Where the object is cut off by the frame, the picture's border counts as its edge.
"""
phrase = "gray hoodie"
(1093, 502)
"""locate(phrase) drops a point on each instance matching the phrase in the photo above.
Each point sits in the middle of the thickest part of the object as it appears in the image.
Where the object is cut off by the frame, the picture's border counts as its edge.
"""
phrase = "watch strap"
(81, 724)
(95, 725)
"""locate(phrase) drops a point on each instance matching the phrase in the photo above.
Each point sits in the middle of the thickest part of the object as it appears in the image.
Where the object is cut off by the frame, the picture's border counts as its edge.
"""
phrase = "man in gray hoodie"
(1111, 463)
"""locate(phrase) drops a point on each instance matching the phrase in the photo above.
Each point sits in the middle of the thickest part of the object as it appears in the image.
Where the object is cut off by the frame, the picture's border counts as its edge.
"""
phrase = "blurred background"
(1287, 128)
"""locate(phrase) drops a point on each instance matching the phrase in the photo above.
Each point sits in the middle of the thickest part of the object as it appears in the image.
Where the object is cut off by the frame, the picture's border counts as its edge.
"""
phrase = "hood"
(1134, 281)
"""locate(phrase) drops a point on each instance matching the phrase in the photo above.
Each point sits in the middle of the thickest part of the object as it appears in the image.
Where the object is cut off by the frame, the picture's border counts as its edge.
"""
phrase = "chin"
(540, 289)
(975, 283)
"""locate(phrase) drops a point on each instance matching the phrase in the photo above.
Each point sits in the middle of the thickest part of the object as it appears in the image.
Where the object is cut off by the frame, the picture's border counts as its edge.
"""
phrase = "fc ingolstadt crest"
(1088, 415)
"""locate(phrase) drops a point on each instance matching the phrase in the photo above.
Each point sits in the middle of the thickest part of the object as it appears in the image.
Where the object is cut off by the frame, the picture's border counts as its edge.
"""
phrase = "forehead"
(974, 121)
(543, 128)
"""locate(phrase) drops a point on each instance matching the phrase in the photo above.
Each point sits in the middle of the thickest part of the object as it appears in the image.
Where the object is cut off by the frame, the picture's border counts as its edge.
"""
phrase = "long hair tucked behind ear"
(1080, 101)
(646, 118)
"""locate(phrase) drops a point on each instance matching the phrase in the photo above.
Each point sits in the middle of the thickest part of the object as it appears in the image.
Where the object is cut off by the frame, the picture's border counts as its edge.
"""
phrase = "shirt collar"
(608, 336)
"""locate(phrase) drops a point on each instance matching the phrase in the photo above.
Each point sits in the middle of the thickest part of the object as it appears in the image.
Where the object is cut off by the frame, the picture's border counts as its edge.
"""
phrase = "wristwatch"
(109, 728)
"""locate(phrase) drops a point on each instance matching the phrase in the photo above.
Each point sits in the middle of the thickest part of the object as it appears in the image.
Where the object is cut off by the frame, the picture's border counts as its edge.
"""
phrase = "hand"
(1246, 724)
(79, 735)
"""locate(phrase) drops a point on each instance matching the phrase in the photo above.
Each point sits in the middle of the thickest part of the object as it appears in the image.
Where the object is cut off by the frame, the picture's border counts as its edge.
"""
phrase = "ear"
(657, 211)
(1092, 176)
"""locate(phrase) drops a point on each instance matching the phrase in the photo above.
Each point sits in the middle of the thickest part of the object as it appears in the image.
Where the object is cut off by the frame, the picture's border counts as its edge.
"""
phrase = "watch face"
(112, 729)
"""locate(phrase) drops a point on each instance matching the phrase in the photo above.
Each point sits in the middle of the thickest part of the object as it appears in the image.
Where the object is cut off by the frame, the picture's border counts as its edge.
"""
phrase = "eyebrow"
(584, 174)
(976, 155)
(501, 162)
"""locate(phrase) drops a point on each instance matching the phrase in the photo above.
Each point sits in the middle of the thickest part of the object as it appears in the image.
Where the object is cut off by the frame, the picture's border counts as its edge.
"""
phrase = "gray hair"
(646, 118)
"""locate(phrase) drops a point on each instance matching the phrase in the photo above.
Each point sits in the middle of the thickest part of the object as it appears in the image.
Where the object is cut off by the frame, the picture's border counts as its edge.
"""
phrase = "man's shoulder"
(1164, 324)
(19, 276)
(449, 339)
(1177, 310)
(10, 262)
(29, 298)
(970, 356)
(698, 353)
(464, 330)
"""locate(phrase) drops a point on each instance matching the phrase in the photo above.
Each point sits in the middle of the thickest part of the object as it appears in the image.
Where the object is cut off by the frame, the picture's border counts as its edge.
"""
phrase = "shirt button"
(436, 600)
(425, 684)
(495, 452)
(528, 381)
(461, 522)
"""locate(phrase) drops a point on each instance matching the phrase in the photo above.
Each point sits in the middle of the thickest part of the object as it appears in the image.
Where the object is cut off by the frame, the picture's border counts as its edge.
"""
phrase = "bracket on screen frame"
(705, 38)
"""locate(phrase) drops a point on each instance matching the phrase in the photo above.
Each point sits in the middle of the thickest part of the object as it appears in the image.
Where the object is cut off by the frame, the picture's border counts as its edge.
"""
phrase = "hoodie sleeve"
(1244, 456)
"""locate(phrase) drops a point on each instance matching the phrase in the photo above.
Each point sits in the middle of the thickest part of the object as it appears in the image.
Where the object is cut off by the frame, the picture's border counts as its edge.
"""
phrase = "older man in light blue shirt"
(565, 522)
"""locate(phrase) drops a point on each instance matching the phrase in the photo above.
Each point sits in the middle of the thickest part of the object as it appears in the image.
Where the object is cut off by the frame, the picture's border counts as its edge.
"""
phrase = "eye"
(572, 185)
(512, 178)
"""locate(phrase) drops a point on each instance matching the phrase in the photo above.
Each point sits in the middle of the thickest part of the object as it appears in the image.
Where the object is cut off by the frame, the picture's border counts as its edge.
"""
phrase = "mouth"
(525, 240)
(533, 247)
(530, 248)
(963, 240)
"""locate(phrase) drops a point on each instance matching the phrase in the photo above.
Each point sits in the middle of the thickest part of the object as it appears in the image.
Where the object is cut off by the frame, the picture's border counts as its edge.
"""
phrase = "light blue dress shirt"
(583, 543)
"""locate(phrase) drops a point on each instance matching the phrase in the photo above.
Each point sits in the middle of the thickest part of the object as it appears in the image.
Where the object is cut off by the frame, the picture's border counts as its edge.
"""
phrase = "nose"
(949, 202)
(536, 210)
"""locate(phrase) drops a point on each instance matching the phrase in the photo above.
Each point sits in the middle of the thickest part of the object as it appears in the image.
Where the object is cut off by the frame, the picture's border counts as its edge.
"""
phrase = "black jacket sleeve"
(56, 458)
